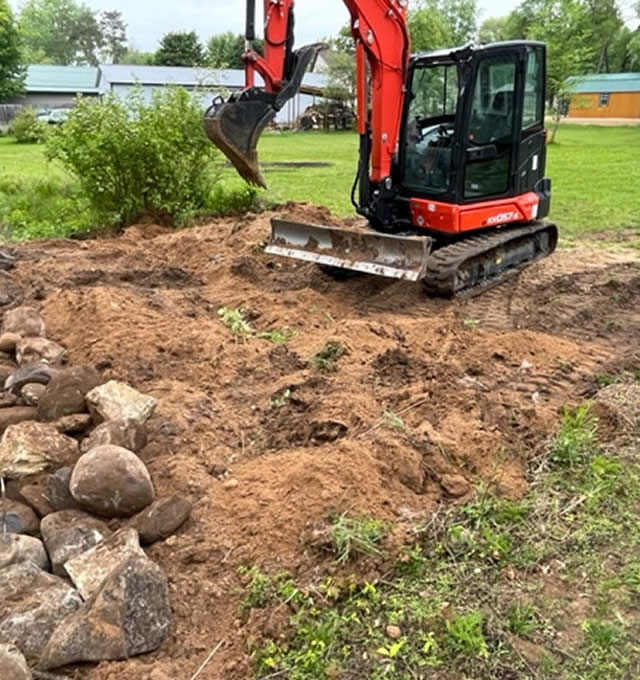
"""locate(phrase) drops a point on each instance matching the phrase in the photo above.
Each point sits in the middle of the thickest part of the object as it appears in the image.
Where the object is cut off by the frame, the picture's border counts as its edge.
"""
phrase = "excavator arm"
(382, 52)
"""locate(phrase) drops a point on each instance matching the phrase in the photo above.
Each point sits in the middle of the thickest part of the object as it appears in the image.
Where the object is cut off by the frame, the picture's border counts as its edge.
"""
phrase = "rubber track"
(443, 265)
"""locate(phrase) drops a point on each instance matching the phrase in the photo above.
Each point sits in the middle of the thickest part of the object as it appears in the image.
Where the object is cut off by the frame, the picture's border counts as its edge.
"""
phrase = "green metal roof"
(72, 79)
(606, 82)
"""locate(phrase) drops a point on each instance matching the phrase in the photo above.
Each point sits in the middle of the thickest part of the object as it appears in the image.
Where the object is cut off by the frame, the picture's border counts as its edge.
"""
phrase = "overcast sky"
(149, 20)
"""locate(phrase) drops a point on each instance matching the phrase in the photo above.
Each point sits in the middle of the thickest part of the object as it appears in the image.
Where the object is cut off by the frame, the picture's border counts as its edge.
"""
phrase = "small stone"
(73, 424)
(32, 392)
(8, 342)
(18, 518)
(66, 392)
(25, 322)
(30, 447)
(129, 615)
(230, 484)
(118, 401)
(16, 414)
(58, 492)
(33, 605)
(18, 548)
(39, 350)
(34, 497)
(40, 373)
(89, 570)
(13, 665)
(112, 482)
(393, 632)
(129, 434)
(69, 533)
(161, 519)
(455, 485)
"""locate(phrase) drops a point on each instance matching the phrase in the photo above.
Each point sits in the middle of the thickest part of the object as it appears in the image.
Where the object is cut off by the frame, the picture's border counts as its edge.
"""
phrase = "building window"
(604, 99)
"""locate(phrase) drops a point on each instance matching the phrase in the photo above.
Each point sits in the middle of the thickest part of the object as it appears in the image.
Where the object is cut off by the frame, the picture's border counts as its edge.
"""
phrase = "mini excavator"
(452, 148)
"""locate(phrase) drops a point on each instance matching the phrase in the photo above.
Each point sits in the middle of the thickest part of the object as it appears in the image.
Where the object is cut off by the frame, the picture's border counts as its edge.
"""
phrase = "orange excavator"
(451, 173)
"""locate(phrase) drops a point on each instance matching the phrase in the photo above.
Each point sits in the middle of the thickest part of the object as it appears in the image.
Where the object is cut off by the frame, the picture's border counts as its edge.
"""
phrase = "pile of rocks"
(75, 583)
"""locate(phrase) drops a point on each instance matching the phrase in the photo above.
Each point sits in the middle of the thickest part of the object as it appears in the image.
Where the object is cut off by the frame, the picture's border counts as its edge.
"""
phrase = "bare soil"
(478, 386)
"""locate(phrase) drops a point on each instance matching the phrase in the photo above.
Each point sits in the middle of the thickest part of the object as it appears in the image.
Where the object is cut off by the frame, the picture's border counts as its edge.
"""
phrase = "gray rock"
(17, 548)
(13, 665)
(34, 496)
(58, 492)
(8, 342)
(112, 482)
(129, 434)
(16, 414)
(33, 605)
(40, 373)
(32, 392)
(89, 570)
(129, 615)
(161, 519)
(118, 401)
(18, 518)
(34, 446)
(69, 533)
(25, 322)
(39, 351)
(66, 392)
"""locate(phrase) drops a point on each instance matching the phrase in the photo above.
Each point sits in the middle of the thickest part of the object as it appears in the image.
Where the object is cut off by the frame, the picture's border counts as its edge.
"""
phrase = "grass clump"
(237, 321)
(465, 636)
(355, 536)
(327, 357)
(576, 437)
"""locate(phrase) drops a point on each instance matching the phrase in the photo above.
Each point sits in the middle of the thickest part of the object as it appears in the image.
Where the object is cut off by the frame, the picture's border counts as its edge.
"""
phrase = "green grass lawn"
(595, 173)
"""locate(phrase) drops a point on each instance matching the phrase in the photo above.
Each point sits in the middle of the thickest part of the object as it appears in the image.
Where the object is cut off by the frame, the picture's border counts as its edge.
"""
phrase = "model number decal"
(504, 217)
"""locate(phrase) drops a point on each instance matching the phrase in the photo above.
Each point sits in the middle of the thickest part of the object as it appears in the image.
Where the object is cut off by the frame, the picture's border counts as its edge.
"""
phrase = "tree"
(11, 69)
(180, 49)
(135, 57)
(565, 27)
(494, 29)
(225, 50)
(114, 36)
(428, 28)
(59, 32)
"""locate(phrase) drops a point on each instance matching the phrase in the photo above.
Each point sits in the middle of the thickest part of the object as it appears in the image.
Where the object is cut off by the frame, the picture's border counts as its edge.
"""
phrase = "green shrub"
(27, 129)
(132, 158)
(223, 201)
(42, 208)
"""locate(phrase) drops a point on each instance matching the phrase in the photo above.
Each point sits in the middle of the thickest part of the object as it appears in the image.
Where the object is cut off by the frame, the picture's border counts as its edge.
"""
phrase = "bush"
(27, 129)
(133, 158)
(42, 208)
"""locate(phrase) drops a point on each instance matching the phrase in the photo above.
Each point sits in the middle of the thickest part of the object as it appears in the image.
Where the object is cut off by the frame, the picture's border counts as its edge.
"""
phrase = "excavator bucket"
(399, 257)
(235, 127)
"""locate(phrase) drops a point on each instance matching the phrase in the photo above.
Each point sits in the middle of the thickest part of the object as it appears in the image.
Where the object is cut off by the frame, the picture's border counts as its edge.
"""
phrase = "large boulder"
(66, 392)
(30, 447)
(112, 482)
(69, 533)
(13, 665)
(161, 519)
(17, 518)
(129, 615)
(118, 401)
(39, 351)
(58, 492)
(17, 548)
(33, 605)
(89, 570)
(129, 434)
(25, 322)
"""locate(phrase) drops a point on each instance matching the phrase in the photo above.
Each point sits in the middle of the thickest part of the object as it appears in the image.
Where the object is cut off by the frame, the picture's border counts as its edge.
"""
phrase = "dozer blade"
(398, 257)
(235, 127)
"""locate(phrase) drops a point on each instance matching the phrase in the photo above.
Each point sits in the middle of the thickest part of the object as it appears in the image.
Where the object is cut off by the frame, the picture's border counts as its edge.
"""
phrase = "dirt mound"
(428, 398)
